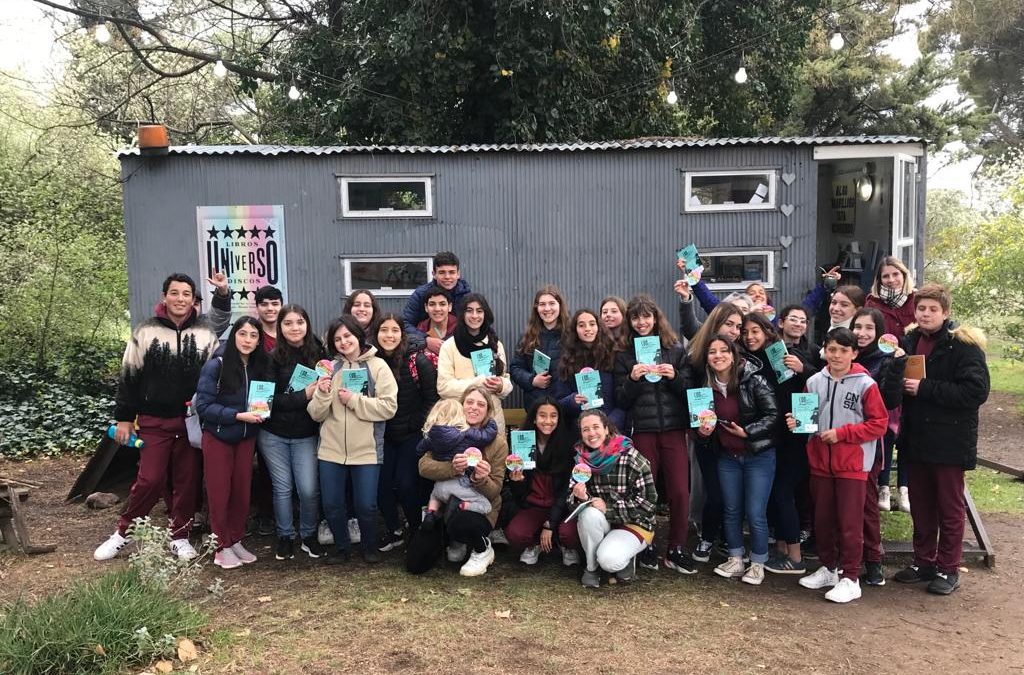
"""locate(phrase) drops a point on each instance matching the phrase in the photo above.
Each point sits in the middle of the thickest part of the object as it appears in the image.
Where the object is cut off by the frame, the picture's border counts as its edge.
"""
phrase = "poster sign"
(844, 206)
(246, 243)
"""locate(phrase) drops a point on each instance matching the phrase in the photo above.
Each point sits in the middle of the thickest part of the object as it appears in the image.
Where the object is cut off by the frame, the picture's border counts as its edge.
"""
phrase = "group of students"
(426, 432)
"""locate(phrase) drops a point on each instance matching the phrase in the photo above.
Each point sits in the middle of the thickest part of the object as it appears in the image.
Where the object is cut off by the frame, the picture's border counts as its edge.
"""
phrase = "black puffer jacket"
(416, 396)
(759, 411)
(653, 406)
(940, 423)
(288, 416)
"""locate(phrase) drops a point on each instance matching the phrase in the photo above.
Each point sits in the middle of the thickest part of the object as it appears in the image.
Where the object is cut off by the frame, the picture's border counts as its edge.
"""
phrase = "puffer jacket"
(521, 368)
(416, 396)
(218, 409)
(940, 423)
(288, 416)
(653, 406)
(759, 412)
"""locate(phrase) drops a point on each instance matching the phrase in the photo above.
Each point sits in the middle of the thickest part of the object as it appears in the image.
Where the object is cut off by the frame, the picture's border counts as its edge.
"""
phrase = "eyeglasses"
(796, 319)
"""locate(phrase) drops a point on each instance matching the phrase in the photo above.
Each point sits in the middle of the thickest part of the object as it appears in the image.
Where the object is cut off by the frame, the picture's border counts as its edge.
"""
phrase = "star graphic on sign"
(240, 232)
(255, 232)
(270, 232)
(244, 294)
(213, 232)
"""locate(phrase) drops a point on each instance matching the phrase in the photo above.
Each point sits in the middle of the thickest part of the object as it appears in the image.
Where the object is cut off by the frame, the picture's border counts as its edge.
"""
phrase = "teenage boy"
(939, 436)
(448, 277)
(440, 322)
(268, 305)
(853, 418)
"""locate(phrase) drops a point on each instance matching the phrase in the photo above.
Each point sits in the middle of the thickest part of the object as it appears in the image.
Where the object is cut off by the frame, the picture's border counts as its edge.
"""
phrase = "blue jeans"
(292, 461)
(888, 443)
(746, 485)
(399, 483)
(333, 481)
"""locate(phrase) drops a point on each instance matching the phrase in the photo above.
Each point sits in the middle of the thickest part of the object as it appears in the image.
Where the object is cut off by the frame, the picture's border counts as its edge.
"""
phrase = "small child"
(852, 417)
(446, 434)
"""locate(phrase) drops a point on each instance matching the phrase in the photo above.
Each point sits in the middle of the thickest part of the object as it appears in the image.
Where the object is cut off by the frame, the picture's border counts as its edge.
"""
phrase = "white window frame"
(904, 165)
(346, 271)
(770, 202)
(428, 183)
(769, 283)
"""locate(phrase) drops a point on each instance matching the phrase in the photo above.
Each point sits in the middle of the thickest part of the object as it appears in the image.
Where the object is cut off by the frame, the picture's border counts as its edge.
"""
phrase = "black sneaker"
(648, 559)
(628, 573)
(391, 540)
(285, 548)
(809, 548)
(873, 574)
(312, 547)
(338, 557)
(944, 583)
(264, 526)
(915, 574)
(371, 557)
(703, 551)
(679, 560)
(429, 521)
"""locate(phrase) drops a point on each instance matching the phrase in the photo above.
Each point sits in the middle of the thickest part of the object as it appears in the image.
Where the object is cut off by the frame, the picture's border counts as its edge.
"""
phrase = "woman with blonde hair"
(892, 293)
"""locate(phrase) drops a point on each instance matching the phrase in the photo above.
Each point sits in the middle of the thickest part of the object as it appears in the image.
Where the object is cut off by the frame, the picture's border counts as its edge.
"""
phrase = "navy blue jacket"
(414, 311)
(217, 410)
(521, 368)
(565, 394)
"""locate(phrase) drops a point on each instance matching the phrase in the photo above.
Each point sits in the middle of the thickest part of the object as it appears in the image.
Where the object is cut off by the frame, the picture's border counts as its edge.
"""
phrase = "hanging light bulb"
(294, 93)
(672, 98)
(219, 69)
(741, 75)
(836, 42)
(102, 34)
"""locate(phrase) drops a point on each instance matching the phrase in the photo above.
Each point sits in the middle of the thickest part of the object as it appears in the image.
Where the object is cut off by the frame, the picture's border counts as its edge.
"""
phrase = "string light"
(102, 34)
(836, 42)
(294, 93)
(671, 99)
(741, 75)
(219, 69)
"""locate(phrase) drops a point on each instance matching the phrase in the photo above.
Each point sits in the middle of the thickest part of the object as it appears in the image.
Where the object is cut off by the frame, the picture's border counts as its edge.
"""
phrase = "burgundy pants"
(666, 451)
(228, 486)
(939, 513)
(166, 459)
(839, 522)
(872, 517)
(569, 535)
(524, 529)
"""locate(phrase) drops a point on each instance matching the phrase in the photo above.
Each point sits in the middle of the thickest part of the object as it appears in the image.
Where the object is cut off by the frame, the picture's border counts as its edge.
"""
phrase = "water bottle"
(133, 440)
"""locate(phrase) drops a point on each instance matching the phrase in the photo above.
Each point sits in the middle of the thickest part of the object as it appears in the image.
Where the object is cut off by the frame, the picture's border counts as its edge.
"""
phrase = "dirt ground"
(300, 617)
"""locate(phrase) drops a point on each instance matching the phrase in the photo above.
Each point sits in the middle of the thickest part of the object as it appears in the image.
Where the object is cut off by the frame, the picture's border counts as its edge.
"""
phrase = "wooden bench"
(13, 528)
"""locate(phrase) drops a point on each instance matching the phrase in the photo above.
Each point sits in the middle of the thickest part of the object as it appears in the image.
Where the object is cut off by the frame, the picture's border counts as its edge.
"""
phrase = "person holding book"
(651, 379)
(467, 529)
(851, 420)
(892, 294)
(690, 325)
(352, 407)
(474, 356)
(613, 322)
(287, 440)
(743, 436)
(886, 369)
(617, 521)
(447, 275)
(939, 435)
(231, 419)
(803, 354)
(439, 324)
(534, 366)
(587, 346)
(416, 375)
(755, 295)
(535, 499)
(268, 309)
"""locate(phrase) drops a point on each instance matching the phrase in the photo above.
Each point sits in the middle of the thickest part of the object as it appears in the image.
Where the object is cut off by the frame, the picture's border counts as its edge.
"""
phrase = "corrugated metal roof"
(631, 144)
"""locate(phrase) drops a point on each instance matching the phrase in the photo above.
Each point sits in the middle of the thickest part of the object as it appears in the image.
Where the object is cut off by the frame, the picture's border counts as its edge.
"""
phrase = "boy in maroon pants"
(939, 436)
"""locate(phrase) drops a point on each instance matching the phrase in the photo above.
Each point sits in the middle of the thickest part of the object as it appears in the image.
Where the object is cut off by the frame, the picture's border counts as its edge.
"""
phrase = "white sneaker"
(354, 535)
(530, 555)
(884, 498)
(498, 537)
(242, 554)
(570, 557)
(183, 549)
(904, 499)
(478, 562)
(754, 574)
(732, 567)
(822, 578)
(111, 547)
(324, 534)
(846, 590)
(456, 552)
(226, 559)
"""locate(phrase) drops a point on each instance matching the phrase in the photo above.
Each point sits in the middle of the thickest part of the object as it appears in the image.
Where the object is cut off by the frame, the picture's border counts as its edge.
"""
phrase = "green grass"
(91, 628)
(1007, 376)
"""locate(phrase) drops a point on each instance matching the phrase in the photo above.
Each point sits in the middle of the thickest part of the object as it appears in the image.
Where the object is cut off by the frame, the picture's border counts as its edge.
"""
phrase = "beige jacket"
(455, 376)
(489, 487)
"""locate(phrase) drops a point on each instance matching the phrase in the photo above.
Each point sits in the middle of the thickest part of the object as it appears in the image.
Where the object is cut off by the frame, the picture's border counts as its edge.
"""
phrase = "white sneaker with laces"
(354, 535)
(324, 534)
(754, 574)
(846, 590)
(732, 567)
(498, 537)
(456, 552)
(226, 559)
(242, 553)
(823, 577)
(884, 498)
(570, 557)
(478, 562)
(530, 556)
(904, 499)
(183, 549)
(111, 547)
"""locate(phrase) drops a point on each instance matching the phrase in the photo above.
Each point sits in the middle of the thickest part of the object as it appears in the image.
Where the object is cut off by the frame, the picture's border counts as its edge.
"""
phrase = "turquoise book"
(483, 362)
(805, 412)
(588, 383)
(541, 362)
(699, 400)
(648, 352)
(356, 380)
(261, 397)
(688, 254)
(524, 446)
(302, 377)
(777, 353)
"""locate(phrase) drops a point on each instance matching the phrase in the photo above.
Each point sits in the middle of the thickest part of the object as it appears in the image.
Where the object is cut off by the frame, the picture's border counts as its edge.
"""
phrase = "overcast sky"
(27, 45)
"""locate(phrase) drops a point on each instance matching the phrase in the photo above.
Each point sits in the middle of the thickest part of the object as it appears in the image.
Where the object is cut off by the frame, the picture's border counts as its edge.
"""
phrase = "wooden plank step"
(1002, 468)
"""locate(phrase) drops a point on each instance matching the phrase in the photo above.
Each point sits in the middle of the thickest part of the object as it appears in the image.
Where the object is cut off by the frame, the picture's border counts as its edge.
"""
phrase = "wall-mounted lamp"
(866, 183)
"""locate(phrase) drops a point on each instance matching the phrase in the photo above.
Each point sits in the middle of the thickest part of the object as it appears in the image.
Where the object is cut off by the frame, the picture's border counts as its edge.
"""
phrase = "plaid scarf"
(603, 459)
(892, 297)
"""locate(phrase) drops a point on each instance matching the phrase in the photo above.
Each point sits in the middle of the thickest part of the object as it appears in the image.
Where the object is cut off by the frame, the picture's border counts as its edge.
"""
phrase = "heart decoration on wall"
(788, 178)
(787, 209)
(786, 241)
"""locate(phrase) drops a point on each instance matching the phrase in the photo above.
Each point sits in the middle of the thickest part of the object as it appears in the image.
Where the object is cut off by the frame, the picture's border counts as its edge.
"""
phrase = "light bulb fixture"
(219, 69)
(836, 42)
(672, 98)
(741, 75)
(294, 93)
(102, 34)
(865, 187)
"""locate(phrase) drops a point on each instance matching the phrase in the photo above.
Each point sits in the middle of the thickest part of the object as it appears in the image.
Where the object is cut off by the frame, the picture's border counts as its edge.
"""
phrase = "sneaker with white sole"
(846, 590)
(456, 552)
(242, 553)
(391, 540)
(754, 574)
(884, 498)
(183, 549)
(530, 555)
(478, 562)
(111, 547)
(702, 553)
(498, 537)
(733, 567)
(904, 500)
(570, 557)
(354, 535)
(226, 559)
(823, 577)
(324, 534)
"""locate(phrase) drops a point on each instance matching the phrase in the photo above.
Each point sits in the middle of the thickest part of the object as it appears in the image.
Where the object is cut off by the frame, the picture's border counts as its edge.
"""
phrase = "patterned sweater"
(627, 490)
